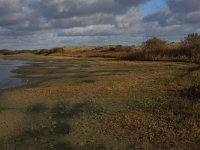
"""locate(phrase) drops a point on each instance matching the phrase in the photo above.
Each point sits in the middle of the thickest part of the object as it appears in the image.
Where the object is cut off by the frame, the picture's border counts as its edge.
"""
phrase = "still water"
(7, 77)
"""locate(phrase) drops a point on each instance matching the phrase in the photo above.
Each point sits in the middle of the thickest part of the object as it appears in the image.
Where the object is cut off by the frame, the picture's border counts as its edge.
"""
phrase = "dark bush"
(4, 52)
(49, 51)
(112, 49)
(192, 92)
(192, 44)
(154, 44)
(192, 41)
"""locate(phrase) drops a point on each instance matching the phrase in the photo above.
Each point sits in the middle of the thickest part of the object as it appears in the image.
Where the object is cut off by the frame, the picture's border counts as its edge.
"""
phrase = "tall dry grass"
(158, 50)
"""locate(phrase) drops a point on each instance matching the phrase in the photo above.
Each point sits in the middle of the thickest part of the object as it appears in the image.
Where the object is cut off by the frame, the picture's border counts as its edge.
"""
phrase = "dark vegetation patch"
(79, 76)
(65, 111)
(88, 81)
(85, 66)
(59, 127)
(153, 104)
(193, 92)
(36, 108)
(166, 79)
(92, 146)
(47, 52)
(43, 134)
(13, 52)
(59, 146)
(62, 110)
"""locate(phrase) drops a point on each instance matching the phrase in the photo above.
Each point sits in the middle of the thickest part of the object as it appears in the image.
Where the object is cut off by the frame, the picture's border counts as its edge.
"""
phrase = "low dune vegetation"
(153, 49)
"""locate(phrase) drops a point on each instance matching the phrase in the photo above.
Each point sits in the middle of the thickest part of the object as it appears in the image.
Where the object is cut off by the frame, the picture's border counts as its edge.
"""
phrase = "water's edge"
(9, 79)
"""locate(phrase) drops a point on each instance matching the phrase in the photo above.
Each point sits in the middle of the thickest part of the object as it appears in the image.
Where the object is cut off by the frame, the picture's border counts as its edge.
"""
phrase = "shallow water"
(7, 77)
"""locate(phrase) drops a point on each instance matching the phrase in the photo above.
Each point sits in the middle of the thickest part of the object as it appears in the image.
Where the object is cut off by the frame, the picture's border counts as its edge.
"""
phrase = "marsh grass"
(167, 79)
(133, 105)
(75, 70)
(143, 103)
(152, 104)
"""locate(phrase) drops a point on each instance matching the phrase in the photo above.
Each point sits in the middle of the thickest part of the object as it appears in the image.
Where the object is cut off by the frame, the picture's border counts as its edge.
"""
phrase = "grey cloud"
(31, 16)
(71, 8)
(50, 14)
(11, 13)
(183, 6)
(36, 23)
(178, 12)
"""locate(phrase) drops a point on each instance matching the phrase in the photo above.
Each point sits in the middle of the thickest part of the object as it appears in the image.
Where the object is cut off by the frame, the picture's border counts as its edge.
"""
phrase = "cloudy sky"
(35, 24)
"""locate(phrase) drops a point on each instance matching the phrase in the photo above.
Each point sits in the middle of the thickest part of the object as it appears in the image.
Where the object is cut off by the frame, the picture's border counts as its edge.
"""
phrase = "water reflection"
(7, 77)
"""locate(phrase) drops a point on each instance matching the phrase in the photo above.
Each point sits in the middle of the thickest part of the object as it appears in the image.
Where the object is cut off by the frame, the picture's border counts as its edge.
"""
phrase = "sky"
(37, 24)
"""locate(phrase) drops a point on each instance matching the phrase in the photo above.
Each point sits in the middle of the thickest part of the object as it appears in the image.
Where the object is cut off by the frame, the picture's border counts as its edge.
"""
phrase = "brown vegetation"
(154, 49)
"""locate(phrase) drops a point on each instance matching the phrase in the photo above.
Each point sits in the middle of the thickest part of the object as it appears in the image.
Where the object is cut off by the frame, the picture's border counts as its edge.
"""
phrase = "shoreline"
(9, 78)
